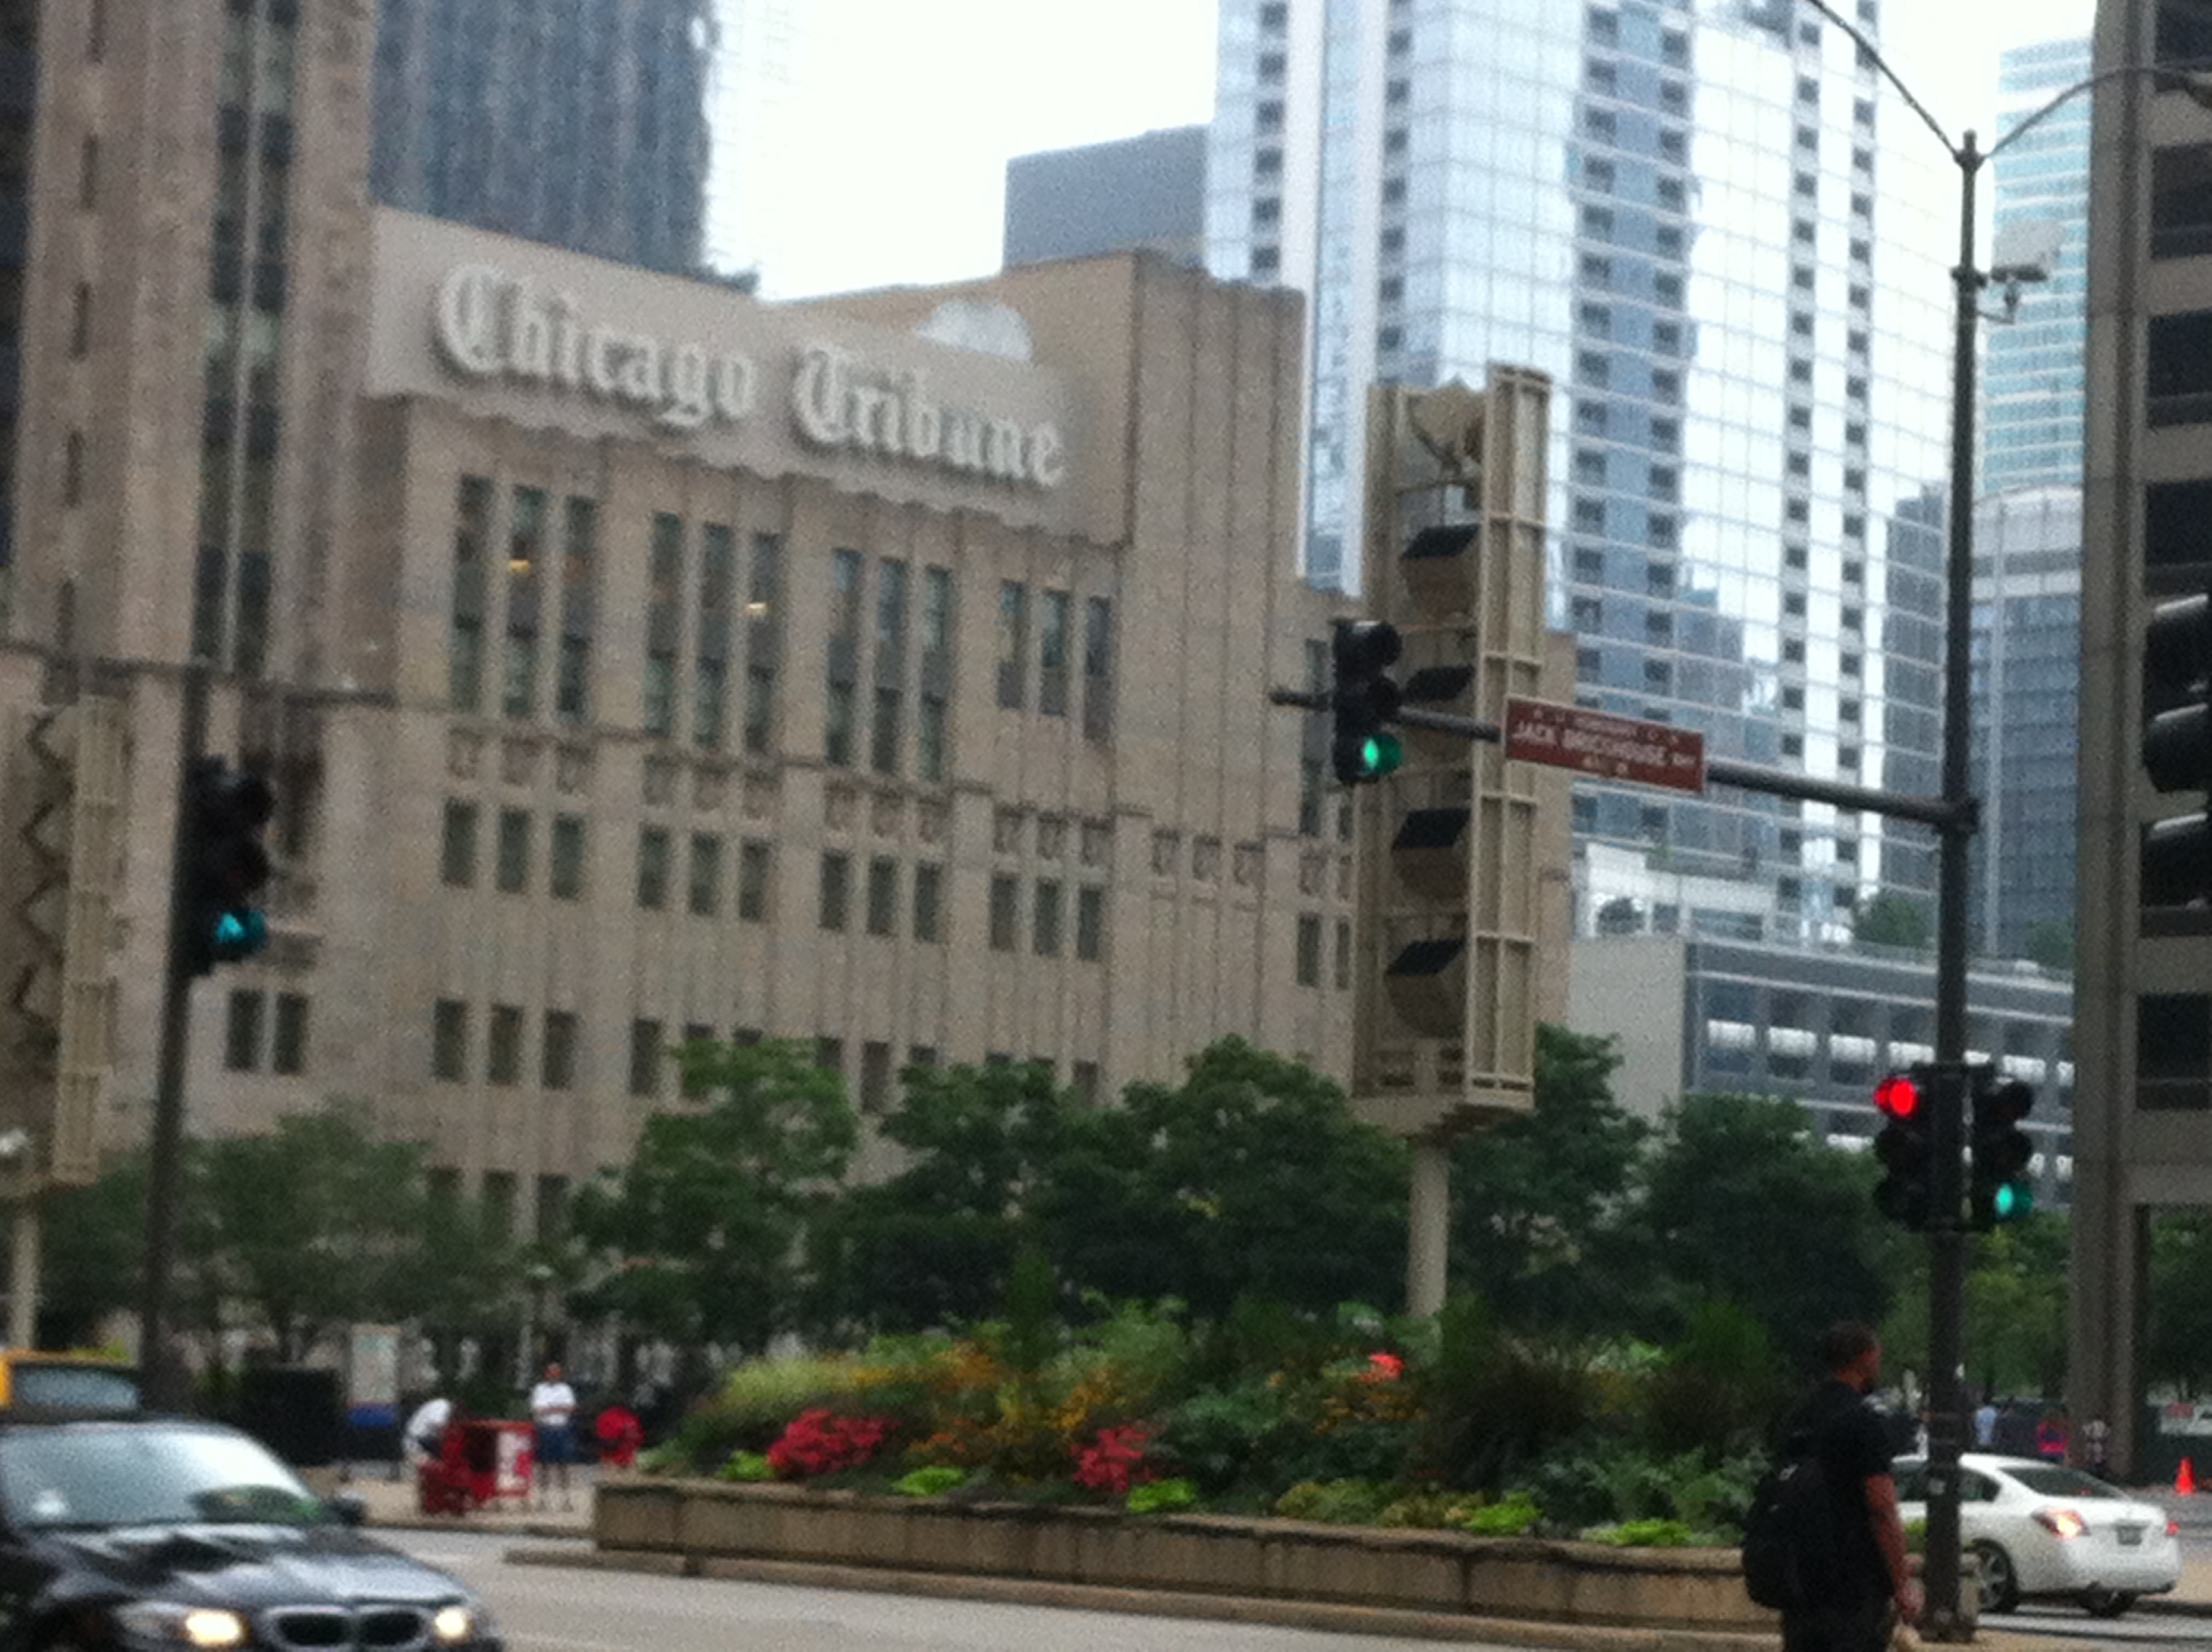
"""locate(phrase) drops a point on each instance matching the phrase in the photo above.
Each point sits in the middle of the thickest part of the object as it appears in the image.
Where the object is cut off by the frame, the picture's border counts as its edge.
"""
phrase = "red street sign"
(1597, 742)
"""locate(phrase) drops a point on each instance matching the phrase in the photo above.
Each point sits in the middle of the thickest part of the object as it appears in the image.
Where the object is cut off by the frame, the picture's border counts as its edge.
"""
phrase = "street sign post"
(1598, 743)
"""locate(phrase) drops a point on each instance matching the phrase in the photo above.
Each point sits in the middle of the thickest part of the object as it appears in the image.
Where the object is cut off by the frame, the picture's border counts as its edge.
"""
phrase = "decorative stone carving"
(1167, 850)
(1098, 842)
(710, 782)
(464, 753)
(572, 768)
(759, 798)
(931, 819)
(518, 762)
(1006, 831)
(1205, 858)
(887, 814)
(1246, 868)
(841, 807)
(1052, 836)
(660, 783)
(1313, 872)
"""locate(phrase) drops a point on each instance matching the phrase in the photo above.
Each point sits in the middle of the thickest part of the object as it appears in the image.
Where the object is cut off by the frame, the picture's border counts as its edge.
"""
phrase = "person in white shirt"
(553, 1409)
(425, 1431)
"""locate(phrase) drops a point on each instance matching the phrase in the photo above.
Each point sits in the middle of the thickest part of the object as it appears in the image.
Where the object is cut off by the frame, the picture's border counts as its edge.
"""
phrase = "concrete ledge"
(711, 1525)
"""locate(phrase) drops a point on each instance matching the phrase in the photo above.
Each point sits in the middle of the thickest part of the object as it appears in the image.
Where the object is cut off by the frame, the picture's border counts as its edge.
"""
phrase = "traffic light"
(1905, 1148)
(223, 867)
(2177, 749)
(1363, 700)
(2001, 1189)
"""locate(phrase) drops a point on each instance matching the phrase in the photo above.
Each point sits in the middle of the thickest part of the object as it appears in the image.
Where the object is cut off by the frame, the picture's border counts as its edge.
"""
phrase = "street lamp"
(2013, 261)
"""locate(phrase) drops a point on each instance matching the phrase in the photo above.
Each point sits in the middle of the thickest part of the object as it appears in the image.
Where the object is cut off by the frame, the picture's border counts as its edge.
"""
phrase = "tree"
(92, 1248)
(701, 1236)
(1530, 1195)
(1893, 919)
(936, 1242)
(2178, 1340)
(1250, 1178)
(1742, 1202)
(311, 1225)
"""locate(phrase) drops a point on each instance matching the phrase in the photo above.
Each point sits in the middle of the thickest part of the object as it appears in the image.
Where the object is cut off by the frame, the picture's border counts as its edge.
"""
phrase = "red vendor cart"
(479, 1462)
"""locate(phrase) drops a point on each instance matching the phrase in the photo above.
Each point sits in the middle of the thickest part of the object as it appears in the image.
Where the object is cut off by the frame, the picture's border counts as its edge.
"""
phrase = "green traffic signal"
(1380, 755)
(2010, 1200)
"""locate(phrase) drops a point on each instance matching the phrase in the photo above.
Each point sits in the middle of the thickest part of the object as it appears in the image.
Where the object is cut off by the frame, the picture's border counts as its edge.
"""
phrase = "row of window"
(1048, 915)
(647, 1061)
(266, 1031)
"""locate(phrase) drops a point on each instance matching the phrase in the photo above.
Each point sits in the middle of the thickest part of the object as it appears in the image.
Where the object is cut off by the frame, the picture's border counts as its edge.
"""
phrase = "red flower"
(819, 1441)
(1113, 1461)
(1384, 1367)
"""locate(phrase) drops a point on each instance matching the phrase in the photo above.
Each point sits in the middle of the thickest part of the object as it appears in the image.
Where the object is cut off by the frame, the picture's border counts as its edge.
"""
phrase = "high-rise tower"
(1687, 218)
(579, 123)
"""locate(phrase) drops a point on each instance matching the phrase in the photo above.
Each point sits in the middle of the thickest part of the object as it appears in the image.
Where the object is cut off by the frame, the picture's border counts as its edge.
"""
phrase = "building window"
(449, 1040)
(882, 896)
(1045, 920)
(836, 893)
(471, 543)
(763, 631)
(717, 558)
(1005, 901)
(81, 322)
(663, 617)
(512, 874)
(457, 854)
(883, 752)
(2173, 1051)
(929, 739)
(1308, 970)
(1052, 654)
(928, 894)
(566, 871)
(525, 551)
(288, 1046)
(1090, 923)
(1343, 955)
(242, 1042)
(645, 1057)
(652, 868)
(1098, 668)
(1013, 643)
(572, 670)
(753, 863)
(503, 1046)
(556, 1053)
(73, 468)
(837, 724)
(87, 175)
(936, 613)
(706, 893)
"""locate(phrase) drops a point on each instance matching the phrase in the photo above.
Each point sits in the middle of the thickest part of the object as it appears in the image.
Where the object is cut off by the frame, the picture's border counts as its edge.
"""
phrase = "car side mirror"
(350, 1509)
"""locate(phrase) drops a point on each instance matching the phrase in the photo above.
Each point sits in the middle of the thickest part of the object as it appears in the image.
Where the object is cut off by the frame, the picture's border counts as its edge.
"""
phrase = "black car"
(145, 1532)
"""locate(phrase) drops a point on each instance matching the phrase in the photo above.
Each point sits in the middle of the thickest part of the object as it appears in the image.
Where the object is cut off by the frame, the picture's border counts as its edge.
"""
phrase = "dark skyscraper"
(580, 122)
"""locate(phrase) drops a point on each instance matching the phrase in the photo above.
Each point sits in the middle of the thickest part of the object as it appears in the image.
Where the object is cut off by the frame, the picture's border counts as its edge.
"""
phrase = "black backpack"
(1789, 1558)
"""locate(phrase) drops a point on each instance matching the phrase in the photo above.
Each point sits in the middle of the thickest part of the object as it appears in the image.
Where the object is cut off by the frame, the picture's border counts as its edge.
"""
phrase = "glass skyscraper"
(1687, 216)
(2032, 383)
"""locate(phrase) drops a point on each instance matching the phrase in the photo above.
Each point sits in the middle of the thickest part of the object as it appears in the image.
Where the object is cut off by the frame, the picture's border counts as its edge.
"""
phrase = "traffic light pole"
(159, 1375)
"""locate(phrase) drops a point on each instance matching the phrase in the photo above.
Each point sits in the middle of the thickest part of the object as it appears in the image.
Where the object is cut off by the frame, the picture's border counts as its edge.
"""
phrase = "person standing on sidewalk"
(1870, 1581)
(553, 1410)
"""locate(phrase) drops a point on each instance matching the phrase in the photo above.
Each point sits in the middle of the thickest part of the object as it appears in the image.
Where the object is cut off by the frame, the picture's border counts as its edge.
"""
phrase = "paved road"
(548, 1609)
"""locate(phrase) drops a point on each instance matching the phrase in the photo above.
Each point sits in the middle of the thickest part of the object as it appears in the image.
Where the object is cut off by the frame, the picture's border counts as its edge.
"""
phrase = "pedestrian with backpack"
(1824, 1543)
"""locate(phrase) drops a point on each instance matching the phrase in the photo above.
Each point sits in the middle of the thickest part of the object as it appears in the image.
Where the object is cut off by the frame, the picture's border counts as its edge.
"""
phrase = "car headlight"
(452, 1624)
(182, 1625)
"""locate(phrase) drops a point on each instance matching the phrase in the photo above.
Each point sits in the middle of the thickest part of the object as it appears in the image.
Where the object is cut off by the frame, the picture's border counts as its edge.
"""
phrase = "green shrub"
(751, 1407)
(1216, 1438)
(1513, 1515)
(746, 1465)
(1717, 1389)
(929, 1482)
(1644, 1534)
(1334, 1502)
(1427, 1510)
(1495, 1402)
(1161, 1497)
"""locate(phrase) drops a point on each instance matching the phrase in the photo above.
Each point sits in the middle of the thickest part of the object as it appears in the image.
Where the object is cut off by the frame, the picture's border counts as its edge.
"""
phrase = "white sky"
(907, 112)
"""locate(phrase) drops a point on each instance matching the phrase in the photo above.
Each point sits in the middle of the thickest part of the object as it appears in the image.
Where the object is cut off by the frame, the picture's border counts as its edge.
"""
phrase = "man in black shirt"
(1870, 1578)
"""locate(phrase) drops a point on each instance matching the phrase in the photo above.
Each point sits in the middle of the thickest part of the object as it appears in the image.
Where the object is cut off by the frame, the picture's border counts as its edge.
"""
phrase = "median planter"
(698, 1523)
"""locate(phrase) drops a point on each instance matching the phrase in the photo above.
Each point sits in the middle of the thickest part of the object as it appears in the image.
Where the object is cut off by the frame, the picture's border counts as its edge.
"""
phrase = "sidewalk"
(393, 1503)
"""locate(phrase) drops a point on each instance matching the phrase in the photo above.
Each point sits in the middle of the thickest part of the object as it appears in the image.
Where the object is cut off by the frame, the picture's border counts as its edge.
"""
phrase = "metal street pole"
(163, 1380)
(1946, 1238)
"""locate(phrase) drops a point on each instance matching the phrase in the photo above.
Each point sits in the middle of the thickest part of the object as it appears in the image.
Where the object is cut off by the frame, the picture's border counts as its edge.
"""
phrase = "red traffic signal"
(1897, 1096)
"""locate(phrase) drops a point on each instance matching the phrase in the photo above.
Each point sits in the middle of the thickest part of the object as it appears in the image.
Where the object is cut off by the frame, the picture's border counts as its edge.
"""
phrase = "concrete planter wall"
(699, 1522)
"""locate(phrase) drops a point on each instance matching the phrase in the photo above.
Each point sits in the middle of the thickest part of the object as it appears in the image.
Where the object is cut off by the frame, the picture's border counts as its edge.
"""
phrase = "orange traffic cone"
(2184, 1480)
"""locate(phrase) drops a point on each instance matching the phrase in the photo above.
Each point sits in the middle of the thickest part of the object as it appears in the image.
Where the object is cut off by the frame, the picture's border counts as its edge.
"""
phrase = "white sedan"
(2042, 1529)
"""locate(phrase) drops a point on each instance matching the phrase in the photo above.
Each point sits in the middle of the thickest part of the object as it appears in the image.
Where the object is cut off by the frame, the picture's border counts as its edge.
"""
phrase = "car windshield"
(2055, 1480)
(94, 1476)
(76, 1387)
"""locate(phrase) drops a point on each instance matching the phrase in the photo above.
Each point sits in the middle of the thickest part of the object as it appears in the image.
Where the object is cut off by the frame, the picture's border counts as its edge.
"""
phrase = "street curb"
(1159, 1603)
(504, 1526)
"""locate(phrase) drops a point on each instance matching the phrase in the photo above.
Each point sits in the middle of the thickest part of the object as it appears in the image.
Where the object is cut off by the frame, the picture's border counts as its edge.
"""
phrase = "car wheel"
(2106, 1603)
(1999, 1585)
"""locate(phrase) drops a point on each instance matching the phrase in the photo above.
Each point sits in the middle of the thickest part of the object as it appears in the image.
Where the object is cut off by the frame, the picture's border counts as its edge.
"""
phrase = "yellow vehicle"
(31, 1380)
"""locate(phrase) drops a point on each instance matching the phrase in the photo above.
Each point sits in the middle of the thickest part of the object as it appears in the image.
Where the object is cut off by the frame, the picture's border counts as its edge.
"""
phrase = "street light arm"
(1867, 49)
(2194, 82)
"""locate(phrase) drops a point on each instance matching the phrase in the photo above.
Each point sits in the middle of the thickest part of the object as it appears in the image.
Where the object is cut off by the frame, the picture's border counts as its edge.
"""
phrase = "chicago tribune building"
(636, 662)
